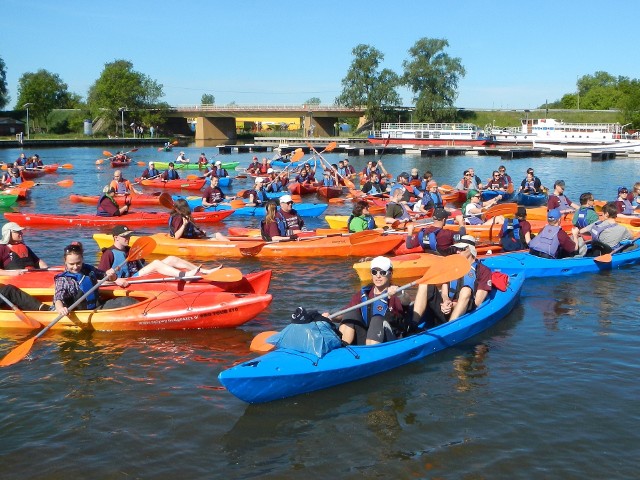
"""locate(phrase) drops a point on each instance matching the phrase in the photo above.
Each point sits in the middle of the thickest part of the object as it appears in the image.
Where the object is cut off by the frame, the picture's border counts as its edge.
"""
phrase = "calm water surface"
(551, 392)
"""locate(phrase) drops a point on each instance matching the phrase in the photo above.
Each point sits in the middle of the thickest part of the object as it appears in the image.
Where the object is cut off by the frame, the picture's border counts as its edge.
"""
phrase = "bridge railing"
(275, 108)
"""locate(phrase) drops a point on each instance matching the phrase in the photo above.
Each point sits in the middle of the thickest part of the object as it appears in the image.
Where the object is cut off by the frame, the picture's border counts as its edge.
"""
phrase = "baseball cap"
(467, 241)
(623, 189)
(554, 214)
(255, 158)
(404, 175)
(259, 180)
(440, 214)
(218, 163)
(285, 199)
(472, 193)
(7, 229)
(382, 263)
(121, 231)
(270, 170)
(559, 183)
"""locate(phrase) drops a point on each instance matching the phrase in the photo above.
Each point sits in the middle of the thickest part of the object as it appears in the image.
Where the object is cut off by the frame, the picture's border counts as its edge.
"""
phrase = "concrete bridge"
(219, 122)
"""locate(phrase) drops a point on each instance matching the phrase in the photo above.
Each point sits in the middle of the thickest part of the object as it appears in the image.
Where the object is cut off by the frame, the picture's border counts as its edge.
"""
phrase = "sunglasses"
(497, 175)
(73, 249)
(289, 203)
(377, 271)
(467, 174)
(624, 191)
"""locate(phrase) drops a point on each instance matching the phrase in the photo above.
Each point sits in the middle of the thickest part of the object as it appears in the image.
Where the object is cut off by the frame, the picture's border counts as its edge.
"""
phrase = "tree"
(366, 85)
(313, 101)
(4, 91)
(433, 76)
(120, 86)
(207, 99)
(630, 101)
(45, 91)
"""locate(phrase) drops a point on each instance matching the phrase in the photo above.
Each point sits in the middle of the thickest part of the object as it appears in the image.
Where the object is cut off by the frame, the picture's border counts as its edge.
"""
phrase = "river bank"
(83, 142)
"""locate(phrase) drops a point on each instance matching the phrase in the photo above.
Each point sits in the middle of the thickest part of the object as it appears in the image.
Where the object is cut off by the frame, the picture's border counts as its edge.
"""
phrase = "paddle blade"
(67, 166)
(174, 143)
(141, 164)
(107, 153)
(297, 155)
(336, 200)
(259, 342)
(503, 209)
(166, 201)
(226, 274)
(27, 184)
(445, 269)
(100, 161)
(142, 247)
(65, 183)
(237, 203)
(330, 147)
(606, 258)
(18, 353)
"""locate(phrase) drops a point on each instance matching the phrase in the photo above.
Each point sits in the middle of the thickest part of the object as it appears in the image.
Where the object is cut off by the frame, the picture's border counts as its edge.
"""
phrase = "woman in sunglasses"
(381, 320)
(468, 182)
(77, 279)
(497, 182)
(473, 209)
(623, 203)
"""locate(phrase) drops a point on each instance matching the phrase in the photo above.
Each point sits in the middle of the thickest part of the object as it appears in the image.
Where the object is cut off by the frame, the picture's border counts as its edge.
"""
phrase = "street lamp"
(27, 105)
(121, 110)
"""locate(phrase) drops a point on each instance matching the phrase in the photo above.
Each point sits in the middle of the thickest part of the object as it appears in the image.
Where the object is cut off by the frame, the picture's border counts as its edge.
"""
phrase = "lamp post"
(121, 110)
(27, 105)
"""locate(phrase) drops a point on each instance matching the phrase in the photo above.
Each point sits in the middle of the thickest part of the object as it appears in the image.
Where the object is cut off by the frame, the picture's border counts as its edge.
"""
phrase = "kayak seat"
(598, 248)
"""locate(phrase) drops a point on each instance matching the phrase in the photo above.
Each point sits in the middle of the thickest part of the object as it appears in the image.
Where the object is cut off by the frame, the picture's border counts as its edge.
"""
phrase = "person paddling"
(151, 171)
(170, 173)
(107, 205)
(15, 255)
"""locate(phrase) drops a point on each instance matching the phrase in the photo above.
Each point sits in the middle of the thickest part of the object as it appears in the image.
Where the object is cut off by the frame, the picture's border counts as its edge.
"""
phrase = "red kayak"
(120, 163)
(137, 200)
(302, 188)
(179, 184)
(31, 173)
(255, 282)
(330, 192)
(140, 219)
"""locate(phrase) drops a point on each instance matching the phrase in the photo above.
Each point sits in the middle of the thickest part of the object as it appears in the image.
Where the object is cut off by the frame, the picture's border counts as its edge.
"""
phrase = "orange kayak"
(166, 310)
(362, 244)
(255, 282)
(179, 184)
(136, 200)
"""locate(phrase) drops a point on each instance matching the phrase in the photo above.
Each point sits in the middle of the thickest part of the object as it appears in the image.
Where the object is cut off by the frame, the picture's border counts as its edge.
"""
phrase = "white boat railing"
(430, 126)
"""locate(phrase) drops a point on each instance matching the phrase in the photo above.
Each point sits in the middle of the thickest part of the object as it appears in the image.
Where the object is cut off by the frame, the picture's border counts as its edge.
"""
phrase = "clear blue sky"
(517, 54)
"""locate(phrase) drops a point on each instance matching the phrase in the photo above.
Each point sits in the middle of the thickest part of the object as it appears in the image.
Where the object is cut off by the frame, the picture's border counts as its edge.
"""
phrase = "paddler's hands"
(122, 282)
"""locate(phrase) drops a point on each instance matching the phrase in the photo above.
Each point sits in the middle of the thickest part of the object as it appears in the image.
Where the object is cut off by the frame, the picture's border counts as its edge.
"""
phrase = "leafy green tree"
(45, 91)
(313, 101)
(207, 99)
(366, 85)
(433, 76)
(4, 91)
(120, 86)
(630, 101)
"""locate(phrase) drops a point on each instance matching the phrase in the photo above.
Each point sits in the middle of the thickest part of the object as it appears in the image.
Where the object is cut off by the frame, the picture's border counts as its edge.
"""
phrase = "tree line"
(429, 72)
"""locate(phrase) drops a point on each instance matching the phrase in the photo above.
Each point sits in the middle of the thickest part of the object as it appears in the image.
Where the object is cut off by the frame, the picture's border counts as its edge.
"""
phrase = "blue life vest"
(85, 283)
(547, 241)
(121, 188)
(432, 241)
(436, 198)
(510, 235)
(581, 218)
(469, 280)
(281, 222)
(153, 172)
(128, 269)
(564, 205)
(172, 175)
(379, 307)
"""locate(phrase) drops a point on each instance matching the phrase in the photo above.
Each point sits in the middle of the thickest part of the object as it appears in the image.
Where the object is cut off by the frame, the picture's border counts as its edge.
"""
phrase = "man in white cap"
(458, 297)
(151, 171)
(220, 172)
(15, 256)
(381, 320)
(288, 220)
(181, 158)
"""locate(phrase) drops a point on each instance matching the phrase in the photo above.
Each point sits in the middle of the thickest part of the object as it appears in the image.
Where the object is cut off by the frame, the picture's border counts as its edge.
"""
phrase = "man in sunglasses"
(623, 203)
(287, 218)
(436, 305)
(559, 200)
(381, 320)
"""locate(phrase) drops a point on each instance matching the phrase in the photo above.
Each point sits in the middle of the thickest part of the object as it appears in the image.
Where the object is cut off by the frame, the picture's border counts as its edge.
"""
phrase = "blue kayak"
(223, 181)
(284, 372)
(531, 199)
(536, 267)
(490, 194)
(303, 209)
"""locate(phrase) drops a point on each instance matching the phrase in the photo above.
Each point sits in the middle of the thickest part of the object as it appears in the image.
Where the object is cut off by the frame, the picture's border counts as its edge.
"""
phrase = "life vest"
(19, 257)
(379, 307)
(563, 204)
(328, 182)
(371, 223)
(469, 280)
(120, 187)
(598, 228)
(221, 173)
(286, 226)
(172, 175)
(547, 241)
(101, 212)
(581, 217)
(627, 207)
(436, 198)
(153, 172)
(510, 235)
(128, 269)
(189, 231)
(405, 215)
(85, 283)
(432, 240)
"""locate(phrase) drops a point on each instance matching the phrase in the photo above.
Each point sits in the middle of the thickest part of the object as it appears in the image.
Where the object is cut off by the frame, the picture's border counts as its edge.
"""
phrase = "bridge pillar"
(218, 128)
(320, 126)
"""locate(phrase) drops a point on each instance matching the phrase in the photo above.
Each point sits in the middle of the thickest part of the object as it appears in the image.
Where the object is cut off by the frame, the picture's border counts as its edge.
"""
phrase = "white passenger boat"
(429, 134)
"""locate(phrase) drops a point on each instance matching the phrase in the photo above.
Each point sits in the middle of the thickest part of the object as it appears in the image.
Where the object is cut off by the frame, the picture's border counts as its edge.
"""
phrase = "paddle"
(607, 257)
(167, 202)
(110, 155)
(226, 274)
(348, 183)
(61, 183)
(20, 314)
(148, 178)
(501, 209)
(143, 246)
(442, 270)
(67, 166)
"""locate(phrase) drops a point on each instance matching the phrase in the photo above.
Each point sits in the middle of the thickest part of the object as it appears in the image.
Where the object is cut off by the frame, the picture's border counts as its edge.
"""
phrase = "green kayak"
(193, 166)
(7, 200)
